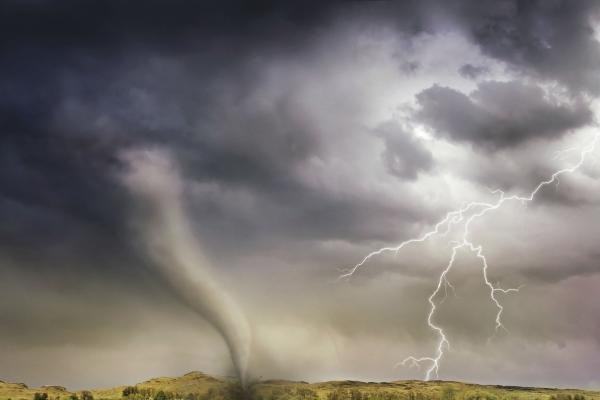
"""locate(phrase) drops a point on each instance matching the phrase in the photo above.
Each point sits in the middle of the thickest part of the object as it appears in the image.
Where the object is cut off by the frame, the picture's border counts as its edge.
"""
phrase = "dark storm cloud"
(470, 71)
(51, 51)
(498, 114)
(234, 136)
(85, 79)
(404, 156)
(551, 39)
(172, 27)
(56, 160)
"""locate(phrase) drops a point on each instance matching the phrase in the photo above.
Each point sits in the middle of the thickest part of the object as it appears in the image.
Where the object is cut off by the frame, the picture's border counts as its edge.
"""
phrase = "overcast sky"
(302, 137)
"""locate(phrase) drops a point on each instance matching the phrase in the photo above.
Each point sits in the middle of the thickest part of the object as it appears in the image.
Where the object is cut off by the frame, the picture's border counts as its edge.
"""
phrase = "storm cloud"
(551, 40)
(404, 156)
(498, 114)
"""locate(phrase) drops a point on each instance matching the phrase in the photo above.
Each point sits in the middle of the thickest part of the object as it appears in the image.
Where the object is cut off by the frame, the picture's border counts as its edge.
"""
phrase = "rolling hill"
(199, 386)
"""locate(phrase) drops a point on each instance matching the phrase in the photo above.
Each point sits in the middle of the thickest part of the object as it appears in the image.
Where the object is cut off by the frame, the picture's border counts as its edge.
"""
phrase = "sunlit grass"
(198, 386)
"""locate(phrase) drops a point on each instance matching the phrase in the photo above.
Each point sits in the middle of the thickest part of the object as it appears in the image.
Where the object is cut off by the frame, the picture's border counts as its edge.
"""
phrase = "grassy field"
(199, 386)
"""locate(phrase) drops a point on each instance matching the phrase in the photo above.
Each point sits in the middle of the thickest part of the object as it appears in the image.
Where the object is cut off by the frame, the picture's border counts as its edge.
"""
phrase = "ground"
(199, 386)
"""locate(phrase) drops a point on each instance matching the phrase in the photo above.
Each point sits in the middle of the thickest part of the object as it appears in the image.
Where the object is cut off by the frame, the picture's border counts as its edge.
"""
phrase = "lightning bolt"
(465, 216)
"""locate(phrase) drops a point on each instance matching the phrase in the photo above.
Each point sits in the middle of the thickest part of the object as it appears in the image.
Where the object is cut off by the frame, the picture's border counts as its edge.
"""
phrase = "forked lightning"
(463, 218)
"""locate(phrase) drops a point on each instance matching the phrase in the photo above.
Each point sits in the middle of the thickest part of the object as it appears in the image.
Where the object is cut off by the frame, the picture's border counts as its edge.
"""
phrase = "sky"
(178, 178)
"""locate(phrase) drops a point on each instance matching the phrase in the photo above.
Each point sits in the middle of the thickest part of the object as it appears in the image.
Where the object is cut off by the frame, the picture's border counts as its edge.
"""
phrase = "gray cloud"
(553, 40)
(470, 71)
(404, 156)
(498, 114)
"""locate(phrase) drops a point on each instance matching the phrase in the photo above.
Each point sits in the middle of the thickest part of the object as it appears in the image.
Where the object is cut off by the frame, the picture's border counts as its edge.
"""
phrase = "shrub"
(129, 390)
(339, 394)
(160, 396)
(306, 394)
(448, 394)
(86, 395)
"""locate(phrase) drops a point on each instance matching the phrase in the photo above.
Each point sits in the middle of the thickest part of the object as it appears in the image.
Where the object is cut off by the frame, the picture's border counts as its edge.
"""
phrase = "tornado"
(155, 182)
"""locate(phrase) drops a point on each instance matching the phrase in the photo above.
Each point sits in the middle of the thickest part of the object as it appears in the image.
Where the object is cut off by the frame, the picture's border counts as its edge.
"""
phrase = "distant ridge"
(196, 385)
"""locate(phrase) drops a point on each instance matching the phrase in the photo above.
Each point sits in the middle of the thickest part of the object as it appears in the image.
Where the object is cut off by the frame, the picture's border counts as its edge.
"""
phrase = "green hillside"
(199, 386)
